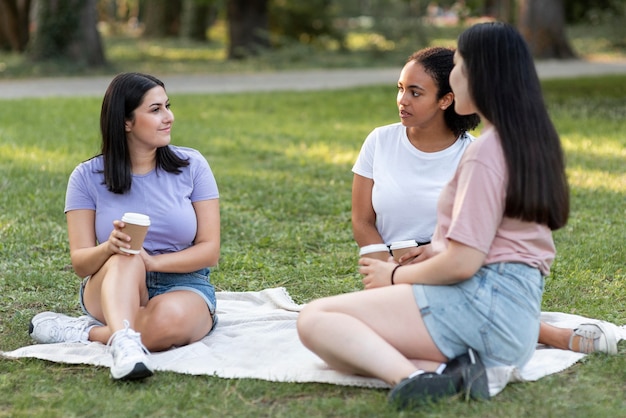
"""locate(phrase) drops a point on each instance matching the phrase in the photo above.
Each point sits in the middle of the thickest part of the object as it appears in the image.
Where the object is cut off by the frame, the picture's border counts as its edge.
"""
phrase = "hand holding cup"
(136, 227)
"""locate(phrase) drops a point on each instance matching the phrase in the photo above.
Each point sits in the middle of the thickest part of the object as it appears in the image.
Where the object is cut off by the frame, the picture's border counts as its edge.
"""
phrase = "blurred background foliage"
(39, 37)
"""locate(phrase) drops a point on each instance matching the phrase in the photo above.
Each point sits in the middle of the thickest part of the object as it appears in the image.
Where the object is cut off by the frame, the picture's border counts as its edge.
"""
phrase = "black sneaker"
(469, 370)
(423, 388)
(464, 375)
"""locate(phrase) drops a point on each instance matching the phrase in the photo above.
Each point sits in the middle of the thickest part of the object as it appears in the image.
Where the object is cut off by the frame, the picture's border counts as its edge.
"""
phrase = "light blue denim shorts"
(160, 283)
(496, 313)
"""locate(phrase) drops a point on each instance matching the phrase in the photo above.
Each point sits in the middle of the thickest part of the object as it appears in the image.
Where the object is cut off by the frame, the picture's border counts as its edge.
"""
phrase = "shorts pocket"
(510, 335)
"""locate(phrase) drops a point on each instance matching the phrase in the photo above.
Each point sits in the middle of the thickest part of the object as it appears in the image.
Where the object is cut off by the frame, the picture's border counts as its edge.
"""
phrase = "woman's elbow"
(465, 269)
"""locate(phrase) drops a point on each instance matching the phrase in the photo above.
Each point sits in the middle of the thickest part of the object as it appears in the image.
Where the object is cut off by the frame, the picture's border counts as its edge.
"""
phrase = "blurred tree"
(305, 22)
(161, 18)
(14, 18)
(542, 23)
(67, 29)
(500, 9)
(197, 17)
(248, 27)
(588, 11)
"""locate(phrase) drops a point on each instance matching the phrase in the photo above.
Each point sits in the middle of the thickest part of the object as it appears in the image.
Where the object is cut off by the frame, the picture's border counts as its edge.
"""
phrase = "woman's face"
(151, 124)
(463, 103)
(417, 97)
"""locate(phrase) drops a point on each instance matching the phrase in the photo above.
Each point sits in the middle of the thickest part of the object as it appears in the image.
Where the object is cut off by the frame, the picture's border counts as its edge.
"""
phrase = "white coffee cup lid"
(403, 244)
(136, 218)
(373, 248)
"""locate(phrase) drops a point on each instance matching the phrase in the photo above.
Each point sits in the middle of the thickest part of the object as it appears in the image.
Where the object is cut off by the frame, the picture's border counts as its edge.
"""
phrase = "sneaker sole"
(423, 389)
(139, 371)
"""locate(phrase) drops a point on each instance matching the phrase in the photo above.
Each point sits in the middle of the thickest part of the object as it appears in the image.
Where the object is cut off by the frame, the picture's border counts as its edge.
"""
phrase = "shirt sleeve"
(204, 184)
(364, 165)
(77, 195)
(478, 205)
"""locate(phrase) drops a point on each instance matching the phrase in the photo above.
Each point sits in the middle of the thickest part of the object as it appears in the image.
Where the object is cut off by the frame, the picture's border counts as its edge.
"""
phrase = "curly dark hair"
(438, 63)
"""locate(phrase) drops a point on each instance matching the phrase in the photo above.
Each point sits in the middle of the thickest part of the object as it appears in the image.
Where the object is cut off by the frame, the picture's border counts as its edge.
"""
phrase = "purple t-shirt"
(471, 211)
(165, 197)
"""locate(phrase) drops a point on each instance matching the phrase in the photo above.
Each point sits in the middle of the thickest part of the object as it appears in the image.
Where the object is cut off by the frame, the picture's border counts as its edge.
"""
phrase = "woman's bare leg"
(373, 332)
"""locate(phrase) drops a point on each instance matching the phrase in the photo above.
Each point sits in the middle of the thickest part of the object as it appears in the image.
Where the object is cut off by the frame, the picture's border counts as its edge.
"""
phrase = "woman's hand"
(417, 254)
(377, 273)
(117, 239)
(149, 261)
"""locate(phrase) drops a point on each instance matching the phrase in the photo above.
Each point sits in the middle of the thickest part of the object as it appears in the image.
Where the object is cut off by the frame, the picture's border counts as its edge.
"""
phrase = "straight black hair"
(123, 96)
(505, 88)
(438, 63)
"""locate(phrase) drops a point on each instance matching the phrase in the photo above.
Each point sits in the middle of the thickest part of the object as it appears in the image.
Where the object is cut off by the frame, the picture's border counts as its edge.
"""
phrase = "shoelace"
(586, 343)
(127, 344)
(70, 332)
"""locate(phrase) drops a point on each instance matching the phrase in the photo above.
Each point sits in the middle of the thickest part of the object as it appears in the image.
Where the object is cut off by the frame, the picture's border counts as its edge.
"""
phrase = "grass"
(282, 162)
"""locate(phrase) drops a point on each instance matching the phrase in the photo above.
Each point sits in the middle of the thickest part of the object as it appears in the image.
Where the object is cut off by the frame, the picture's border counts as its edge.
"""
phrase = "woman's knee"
(172, 321)
(308, 318)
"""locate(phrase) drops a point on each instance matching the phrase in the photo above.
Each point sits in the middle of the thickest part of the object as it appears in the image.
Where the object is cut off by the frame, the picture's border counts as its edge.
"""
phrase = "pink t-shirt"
(471, 211)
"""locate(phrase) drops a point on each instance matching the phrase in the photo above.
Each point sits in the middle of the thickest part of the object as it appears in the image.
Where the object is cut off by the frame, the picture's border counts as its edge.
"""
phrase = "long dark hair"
(506, 90)
(438, 63)
(123, 96)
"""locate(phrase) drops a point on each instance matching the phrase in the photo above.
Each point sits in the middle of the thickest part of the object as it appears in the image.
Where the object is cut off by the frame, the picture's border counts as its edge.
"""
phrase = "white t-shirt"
(407, 181)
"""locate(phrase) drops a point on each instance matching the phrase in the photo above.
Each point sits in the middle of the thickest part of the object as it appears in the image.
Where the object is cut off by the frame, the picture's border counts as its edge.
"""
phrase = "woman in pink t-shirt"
(430, 328)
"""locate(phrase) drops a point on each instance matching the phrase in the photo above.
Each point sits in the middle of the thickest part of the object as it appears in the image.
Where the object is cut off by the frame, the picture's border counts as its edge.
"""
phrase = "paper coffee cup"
(377, 251)
(136, 226)
(399, 248)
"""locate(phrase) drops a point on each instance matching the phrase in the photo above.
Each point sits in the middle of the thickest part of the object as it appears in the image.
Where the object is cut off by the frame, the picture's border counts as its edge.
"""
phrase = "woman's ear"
(446, 101)
(128, 125)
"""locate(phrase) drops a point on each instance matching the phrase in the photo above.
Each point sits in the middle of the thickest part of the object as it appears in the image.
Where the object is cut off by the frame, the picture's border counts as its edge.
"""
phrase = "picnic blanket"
(256, 338)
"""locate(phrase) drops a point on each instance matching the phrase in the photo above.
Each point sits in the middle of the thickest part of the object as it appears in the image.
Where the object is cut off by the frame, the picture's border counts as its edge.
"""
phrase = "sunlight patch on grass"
(596, 180)
(321, 152)
(367, 41)
(598, 146)
(27, 156)
(607, 170)
(445, 42)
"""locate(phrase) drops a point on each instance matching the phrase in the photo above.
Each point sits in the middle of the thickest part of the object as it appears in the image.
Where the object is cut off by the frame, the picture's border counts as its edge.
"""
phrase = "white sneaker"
(596, 337)
(130, 357)
(52, 327)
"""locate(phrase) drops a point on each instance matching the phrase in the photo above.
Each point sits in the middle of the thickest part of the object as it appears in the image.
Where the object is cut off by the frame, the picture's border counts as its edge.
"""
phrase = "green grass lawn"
(282, 162)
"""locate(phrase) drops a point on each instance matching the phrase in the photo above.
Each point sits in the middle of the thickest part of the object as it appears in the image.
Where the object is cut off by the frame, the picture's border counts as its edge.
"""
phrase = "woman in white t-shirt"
(402, 167)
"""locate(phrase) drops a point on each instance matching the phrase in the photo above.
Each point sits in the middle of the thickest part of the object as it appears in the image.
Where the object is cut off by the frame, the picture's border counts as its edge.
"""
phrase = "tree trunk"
(162, 18)
(248, 27)
(542, 24)
(197, 17)
(499, 9)
(14, 22)
(67, 29)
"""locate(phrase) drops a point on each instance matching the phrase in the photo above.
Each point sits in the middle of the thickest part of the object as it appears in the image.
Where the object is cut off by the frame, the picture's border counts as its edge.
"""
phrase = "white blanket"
(256, 337)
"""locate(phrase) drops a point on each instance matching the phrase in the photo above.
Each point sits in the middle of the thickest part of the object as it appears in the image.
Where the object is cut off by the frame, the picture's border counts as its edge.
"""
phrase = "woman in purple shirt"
(161, 297)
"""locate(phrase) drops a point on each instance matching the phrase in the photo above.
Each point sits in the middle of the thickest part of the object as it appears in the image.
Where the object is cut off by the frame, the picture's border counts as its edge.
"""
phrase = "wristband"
(393, 272)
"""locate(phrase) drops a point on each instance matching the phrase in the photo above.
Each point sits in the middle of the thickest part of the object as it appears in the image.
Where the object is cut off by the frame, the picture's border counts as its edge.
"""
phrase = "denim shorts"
(160, 283)
(496, 312)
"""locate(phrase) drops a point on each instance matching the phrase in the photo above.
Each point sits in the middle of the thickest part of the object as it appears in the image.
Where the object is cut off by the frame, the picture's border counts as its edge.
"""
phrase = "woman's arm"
(456, 263)
(206, 249)
(88, 257)
(363, 215)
